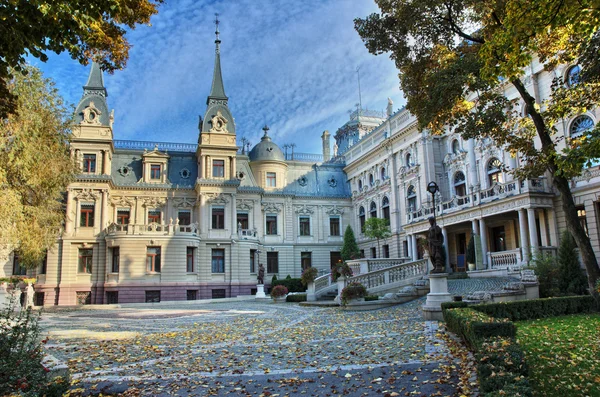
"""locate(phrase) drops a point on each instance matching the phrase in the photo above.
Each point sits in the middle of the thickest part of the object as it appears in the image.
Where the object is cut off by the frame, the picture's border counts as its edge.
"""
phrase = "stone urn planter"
(280, 299)
(279, 293)
(472, 267)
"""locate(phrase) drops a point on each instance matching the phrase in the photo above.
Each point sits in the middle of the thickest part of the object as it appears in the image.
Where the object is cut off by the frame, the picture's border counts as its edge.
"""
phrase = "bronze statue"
(261, 274)
(436, 245)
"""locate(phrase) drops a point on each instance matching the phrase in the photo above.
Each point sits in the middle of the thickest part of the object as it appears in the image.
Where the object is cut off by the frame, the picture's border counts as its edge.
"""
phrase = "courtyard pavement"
(250, 348)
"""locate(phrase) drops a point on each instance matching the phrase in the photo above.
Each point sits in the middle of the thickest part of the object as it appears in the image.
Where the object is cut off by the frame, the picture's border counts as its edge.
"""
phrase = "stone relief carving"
(122, 201)
(218, 122)
(87, 195)
(271, 207)
(216, 198)
(153, 202)
(335, 210)
(304, 209)
(184, 202)
(91, 115)
(244, 204)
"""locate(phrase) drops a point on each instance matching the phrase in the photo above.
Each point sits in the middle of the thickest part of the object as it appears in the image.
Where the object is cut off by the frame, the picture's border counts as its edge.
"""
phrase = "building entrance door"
(334, 257)
(461, 250)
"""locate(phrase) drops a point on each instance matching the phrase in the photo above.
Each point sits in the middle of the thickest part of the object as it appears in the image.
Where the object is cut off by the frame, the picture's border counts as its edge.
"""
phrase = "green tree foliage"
(471, 249)
(83, 28)
(377, 228)
(350, 248)
(546, 270)
(35, 167)
(571, 277)
(456, 58)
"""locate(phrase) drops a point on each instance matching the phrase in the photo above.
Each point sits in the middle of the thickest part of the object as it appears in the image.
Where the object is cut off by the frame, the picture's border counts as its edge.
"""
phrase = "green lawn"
(563, 354)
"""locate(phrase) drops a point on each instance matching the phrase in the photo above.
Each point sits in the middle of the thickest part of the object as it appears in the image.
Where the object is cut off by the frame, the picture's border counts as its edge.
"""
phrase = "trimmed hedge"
(292, 284)
(474, 326)
(369, 298)
(539, 308)
(296, 298)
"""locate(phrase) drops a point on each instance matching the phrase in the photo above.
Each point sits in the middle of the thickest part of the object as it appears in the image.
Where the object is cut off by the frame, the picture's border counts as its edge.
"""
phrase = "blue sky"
(289, 64)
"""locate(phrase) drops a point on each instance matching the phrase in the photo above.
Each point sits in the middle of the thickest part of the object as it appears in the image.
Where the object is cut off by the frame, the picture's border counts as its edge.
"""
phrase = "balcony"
(247, 234)
(152, 229)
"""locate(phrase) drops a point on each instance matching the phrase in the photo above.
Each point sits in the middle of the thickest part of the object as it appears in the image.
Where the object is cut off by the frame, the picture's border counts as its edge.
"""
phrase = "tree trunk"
(562, 185)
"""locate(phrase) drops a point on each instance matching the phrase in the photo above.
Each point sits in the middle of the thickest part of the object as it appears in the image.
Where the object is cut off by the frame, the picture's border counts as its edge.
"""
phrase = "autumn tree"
(35, 166)
(84, 28)
(377, 228)
(457, 57)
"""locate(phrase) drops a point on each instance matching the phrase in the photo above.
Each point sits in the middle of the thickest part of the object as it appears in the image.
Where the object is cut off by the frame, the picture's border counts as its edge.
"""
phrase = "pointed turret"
(92, 108)
(217, 118)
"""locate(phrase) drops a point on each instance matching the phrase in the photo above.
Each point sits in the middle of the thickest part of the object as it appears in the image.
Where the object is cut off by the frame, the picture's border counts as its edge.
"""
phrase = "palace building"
(150, 221)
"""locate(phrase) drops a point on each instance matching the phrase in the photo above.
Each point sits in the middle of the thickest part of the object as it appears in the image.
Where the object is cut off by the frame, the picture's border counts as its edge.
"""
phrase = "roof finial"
(266, 129)
(217, 40)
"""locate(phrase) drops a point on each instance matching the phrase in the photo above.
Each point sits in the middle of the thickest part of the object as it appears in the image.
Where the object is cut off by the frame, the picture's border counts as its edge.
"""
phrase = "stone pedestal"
(438, 284)
(260, 291)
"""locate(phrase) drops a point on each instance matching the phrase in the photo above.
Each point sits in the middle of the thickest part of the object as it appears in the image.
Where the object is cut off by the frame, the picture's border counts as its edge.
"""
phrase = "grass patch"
(563, 354)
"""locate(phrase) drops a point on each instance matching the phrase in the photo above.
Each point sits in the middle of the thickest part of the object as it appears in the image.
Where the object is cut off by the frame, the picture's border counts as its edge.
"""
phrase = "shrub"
(278, 291)
(341, 269)
(371, 298)
(353, 290)
(474, 326)
(21, 354)
(538, 308)
(471, 249)
(546, 269)
(296, 298)
(350, 247)
(292, 284)
(571, 277)
(309, 275)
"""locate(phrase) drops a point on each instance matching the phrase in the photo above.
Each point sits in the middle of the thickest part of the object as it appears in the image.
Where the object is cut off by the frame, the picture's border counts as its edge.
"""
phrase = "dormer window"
(409, 162)
(271, 179)
(89, 163)
(218, 168)
(155, 171)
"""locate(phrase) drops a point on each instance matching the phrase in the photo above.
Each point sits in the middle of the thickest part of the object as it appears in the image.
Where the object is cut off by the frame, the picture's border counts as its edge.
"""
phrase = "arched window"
(573, 75)
(361, 217)
(371, 180)
(455, 146)
(580, 126)
(494, 171)
(382, 173)
(373, 210)
(409, 160)
(460, 189)
(385, 208)
(411, 198)
(359, 184)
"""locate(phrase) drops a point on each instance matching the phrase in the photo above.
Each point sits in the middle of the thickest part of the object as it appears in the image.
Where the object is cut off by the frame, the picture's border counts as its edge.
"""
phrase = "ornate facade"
(152, 221)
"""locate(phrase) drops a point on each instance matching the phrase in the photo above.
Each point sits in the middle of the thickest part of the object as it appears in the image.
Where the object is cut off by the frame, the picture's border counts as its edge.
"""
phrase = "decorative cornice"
(271, 207)
(87, 195)
(184, 202)
(304, 209)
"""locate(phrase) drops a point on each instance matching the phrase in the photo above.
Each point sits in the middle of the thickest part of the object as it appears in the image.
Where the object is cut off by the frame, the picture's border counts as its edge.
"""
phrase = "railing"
(391, 275)
(306, 157)
(322, 282)
(247, 233)
(162, 146)
(362, 266)
(500, 190)
(152, 228)
(505, 259)
(548, 251)
(367, 113)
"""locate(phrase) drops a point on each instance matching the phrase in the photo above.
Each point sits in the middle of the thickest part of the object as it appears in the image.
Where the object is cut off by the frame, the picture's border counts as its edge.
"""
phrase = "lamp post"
(433, 188)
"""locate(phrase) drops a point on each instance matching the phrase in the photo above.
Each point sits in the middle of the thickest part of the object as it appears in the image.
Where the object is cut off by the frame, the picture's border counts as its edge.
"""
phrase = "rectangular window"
(581, 215)
(89, 163)
(18, 270)
(334, 226)
(362, 223)
(153, 259)
(116, 252)
(218, 293)
(373, 252)
(112, 297)
(218, 168)
(218, 260)
(152, 296)
(87, 215)
(386, 250)
(271, 179)
(192, 295)
(218, 218)
(189, 259)
(362, 254)
(185, 217)
(154, 216)
(85, 260)
(272, 262)
(252, 261)
(242, 220)
(39, 298)
(44, 266)
(123, 217)
(304, 226)
(306, 260)
(154, 171)
(271, 225)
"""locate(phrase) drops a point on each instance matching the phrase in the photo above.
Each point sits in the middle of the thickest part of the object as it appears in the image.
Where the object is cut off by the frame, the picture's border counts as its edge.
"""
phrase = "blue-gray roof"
(266, 149)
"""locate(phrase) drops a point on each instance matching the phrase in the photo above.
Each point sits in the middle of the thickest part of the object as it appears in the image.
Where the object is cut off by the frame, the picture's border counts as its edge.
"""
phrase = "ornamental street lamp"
(433, 188)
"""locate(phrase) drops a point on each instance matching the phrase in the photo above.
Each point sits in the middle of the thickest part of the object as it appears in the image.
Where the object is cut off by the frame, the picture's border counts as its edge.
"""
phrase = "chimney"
(326, 147)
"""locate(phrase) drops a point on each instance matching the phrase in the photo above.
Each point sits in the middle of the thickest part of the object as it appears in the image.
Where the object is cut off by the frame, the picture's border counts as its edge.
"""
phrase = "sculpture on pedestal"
(261, 274)
(436, 242)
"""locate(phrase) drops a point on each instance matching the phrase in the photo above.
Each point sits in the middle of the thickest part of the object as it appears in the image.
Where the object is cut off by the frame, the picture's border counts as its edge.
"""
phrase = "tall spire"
(217, 91)
(94, 99)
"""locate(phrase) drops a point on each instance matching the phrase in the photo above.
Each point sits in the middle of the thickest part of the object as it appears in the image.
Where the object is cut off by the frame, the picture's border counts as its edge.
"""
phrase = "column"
(523, 236)
(533, 236)
(543, 228)
(104, 162)
(234, 232)
(415, 251)
(552, 227)
(473, 180)
(484, 248)
(69, 221)
(77, 214)
(233, 167)
(104, 213)
(446, 250)
(409, 245)
(394, 204)
(475, 225)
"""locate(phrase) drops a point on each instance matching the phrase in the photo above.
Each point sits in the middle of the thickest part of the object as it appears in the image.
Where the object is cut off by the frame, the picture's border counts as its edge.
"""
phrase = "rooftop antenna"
(217, 40)
(359, 93)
